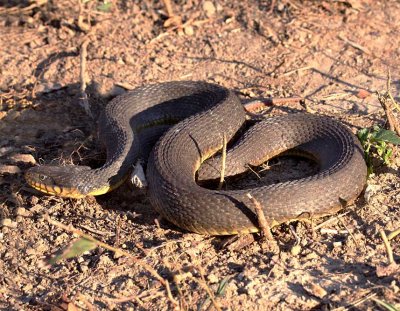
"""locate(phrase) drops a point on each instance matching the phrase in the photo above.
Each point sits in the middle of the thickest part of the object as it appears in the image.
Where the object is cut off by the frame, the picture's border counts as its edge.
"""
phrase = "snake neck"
(121, 154)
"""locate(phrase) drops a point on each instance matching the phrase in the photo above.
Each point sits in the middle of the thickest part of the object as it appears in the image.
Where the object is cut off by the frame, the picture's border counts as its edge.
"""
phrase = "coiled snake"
(133, 122)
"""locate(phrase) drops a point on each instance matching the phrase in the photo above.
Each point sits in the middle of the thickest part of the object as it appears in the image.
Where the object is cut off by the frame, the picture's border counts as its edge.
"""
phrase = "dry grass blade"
(223, 163)
(389, 250)
(393, 234)
(388, 104)
(385, 305)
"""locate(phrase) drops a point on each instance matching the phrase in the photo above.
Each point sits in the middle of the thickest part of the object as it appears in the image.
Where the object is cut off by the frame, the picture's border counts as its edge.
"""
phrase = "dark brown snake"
(132, 123)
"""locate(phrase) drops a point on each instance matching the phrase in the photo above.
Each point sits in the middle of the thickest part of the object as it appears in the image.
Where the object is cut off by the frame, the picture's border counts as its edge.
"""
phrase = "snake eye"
(42, 177)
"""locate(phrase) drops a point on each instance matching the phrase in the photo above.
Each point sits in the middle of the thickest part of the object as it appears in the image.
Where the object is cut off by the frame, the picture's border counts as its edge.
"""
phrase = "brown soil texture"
(335, 54)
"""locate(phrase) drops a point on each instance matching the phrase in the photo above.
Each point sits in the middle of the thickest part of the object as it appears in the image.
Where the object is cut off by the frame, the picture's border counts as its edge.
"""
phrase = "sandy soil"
(335, 54)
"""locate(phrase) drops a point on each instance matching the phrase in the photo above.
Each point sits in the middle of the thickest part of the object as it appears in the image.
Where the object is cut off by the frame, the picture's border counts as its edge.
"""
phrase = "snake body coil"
(132, 123)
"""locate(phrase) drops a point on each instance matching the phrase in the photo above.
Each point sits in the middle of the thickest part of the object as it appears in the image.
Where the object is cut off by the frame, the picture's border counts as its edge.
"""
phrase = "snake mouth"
(60, 181)
(33, 180)
(65, 181)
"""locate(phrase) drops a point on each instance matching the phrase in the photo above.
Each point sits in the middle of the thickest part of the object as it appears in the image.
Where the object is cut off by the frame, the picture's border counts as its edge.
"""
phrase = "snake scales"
(132, 124)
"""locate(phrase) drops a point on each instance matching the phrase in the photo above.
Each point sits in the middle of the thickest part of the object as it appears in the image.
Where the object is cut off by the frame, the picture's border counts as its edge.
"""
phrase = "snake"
(179, 127)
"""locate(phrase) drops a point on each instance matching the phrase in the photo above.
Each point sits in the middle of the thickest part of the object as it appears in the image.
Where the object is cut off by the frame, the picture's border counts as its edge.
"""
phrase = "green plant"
(375, 142)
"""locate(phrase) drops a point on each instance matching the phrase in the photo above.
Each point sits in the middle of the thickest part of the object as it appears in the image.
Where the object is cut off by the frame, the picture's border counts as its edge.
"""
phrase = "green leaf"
(386, 305)
(105, 7)
(388, 154)
(75, 249)
(387, 136)
(221, 287)
(363, 135)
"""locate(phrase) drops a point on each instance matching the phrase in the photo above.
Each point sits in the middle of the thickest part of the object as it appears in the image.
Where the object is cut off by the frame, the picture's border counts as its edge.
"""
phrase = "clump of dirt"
(335, 54)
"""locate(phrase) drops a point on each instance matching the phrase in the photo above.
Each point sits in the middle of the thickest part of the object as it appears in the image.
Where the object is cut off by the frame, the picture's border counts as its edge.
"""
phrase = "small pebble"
(295, 250)
(7, 222)
(30, 251)
(128, 59)
(212, 278)
(337, 244)
(189, 31)
(20, 211)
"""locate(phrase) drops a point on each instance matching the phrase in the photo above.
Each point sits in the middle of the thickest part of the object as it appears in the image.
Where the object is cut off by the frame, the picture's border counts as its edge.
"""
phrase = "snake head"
(63, 181)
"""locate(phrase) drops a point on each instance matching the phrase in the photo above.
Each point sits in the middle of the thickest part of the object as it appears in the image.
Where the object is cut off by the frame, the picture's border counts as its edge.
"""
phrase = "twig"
(351, 234)
(125, 85)
(122, 300)
(257, 105)
(334, 96)
(253, 171)
(223, 163)
(168, 7)
(387, 246)
(288, 73)
(25, 9)
(354, 45)
(262, 221)
(271, 8)
(81, 24)
(169, 294)
(207, 289)
(173, 21)
(83, 76)
(389, 92)
(96, 231)
(388, 106)
(118, 251)
(330, 220)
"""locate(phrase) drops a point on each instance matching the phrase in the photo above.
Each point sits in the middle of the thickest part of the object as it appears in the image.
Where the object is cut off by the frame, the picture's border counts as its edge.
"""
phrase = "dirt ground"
(335, 54)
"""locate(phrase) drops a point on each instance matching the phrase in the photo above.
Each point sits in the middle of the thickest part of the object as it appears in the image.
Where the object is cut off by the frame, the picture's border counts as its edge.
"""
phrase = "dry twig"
(83, 77)
(330, 220)
(262, 221)
(136, 260)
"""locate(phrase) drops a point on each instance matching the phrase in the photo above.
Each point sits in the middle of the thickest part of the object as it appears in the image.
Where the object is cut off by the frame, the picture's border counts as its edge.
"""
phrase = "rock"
(212, 278)
(23, 158)
(209, 8)
(315, 290)
(20, 211)
(9, 169)
(370, 191)
(128, 59)
(6, 150)
(7, 222)
(189, 31)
